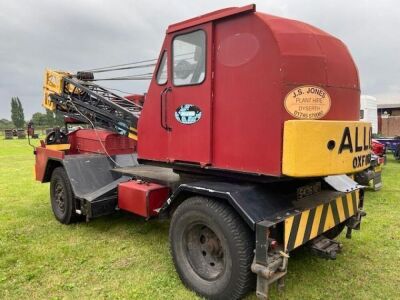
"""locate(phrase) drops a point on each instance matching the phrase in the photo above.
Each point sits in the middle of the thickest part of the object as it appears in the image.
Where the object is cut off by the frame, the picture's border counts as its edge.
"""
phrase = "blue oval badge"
(188, 114)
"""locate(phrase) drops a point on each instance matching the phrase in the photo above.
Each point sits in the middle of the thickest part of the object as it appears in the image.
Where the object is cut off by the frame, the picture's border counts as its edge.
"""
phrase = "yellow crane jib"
(53, 84)
(78, 97)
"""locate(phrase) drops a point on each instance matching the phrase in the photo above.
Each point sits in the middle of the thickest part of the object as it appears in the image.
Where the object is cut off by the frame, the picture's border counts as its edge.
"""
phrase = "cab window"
(162, 70)
(189, 58)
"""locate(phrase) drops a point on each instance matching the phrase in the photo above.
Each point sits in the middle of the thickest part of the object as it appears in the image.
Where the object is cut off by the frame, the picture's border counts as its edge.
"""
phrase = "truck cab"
(231, 81)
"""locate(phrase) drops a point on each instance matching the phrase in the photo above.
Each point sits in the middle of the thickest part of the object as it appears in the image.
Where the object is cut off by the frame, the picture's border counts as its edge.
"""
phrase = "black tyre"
(335, 231)
(62, 197)
(212, 249)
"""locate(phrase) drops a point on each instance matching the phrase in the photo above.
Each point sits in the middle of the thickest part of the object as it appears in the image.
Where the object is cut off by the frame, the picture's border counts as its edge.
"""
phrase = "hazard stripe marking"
(354, 200)
(300, 228)
(329, 221)
(132, 136)
(350, 204)
(323, 218)
(335, 212)
(288, 228)
(293, 231)
(345, 207)
(317, 220)
(340, 209)
(310, 223)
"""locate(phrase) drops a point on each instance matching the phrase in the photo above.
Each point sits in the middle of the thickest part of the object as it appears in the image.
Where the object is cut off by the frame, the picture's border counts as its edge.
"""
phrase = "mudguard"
(272, 202)
(91, 175)
(253, 202)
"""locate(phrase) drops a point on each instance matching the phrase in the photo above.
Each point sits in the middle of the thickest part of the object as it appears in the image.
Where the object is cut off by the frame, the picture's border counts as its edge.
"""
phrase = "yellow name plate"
(321, 148)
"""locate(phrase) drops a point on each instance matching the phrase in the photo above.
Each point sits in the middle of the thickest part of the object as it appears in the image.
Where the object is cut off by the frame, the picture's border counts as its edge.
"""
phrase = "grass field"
(125, 257)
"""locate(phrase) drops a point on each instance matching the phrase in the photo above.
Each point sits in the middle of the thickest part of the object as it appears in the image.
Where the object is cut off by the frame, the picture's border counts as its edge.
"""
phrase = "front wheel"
(212, 249)
(62, 197)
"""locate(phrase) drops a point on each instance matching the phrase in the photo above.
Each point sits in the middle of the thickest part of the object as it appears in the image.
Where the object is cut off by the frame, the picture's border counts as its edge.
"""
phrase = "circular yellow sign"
(308, 102)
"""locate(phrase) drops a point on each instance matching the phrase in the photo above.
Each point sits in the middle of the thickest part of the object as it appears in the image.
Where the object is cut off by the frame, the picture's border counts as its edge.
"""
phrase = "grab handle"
(163, 110)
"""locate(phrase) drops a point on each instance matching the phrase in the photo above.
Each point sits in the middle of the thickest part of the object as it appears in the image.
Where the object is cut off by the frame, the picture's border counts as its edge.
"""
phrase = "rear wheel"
(62, 197)
(212, 249)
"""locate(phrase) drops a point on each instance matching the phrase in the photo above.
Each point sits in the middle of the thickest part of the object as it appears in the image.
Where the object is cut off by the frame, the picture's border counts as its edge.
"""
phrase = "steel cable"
(121, 65)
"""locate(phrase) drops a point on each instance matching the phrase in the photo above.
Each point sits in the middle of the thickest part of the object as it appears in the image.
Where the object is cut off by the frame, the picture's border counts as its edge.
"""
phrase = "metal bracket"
(266, 275)
(342, 183)
(269, 265)
(354, 222)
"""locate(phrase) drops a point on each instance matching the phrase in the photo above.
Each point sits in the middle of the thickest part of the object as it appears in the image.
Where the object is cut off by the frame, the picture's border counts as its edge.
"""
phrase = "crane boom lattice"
(90, 103)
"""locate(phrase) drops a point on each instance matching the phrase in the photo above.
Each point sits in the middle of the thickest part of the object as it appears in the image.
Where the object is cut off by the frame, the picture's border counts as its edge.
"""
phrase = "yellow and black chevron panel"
(133, 133)
(308, 224)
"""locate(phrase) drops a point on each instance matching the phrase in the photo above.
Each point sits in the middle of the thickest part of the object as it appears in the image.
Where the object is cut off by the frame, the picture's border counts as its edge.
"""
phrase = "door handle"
(163, 108)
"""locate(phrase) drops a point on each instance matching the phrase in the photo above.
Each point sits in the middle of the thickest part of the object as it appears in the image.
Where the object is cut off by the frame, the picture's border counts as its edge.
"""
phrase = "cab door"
(186, 102)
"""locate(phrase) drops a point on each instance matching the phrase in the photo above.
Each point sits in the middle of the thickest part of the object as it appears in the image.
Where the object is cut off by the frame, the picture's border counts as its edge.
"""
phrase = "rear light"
(273, 244)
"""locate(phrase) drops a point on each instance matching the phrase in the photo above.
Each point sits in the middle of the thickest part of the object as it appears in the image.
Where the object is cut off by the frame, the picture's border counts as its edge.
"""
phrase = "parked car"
(391, 144)
(379, 149)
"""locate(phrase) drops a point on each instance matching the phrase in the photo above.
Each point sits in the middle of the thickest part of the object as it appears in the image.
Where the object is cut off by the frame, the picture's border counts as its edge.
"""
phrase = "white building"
(369, 111)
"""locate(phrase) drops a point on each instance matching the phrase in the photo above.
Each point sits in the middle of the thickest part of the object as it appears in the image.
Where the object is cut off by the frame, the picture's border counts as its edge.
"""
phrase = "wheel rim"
(204, 251)
(59, 197)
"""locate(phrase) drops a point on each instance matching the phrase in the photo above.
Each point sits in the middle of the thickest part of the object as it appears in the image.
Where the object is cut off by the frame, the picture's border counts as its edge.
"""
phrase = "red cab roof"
(215, 15)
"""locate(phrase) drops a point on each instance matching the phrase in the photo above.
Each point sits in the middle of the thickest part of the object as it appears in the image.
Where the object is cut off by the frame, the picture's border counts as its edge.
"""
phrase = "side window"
(189, 58)
(361, 114)
(162, 70)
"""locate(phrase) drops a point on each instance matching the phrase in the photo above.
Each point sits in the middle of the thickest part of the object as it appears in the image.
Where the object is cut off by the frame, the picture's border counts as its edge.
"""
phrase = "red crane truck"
(244, 138)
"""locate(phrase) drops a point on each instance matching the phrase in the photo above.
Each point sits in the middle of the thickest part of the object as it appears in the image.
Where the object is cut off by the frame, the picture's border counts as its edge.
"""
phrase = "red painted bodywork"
(142, 198)
(83, 141)
(92, 141)
(136, 98)
(212, 16)
(253, 60)
(70, 120)
(42, 157)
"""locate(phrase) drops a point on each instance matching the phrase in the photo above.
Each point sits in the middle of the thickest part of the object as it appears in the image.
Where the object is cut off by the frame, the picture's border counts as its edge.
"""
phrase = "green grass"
(125, 257)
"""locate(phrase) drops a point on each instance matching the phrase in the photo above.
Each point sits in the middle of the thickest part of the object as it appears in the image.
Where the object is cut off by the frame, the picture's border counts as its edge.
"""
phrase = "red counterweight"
(94, 141)
(141, 198)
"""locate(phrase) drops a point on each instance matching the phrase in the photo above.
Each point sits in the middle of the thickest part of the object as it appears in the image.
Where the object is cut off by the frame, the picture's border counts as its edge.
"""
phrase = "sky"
(84, 34)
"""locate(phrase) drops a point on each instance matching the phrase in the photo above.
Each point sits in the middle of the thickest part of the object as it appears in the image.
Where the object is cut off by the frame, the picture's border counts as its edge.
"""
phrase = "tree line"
(48, 119)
